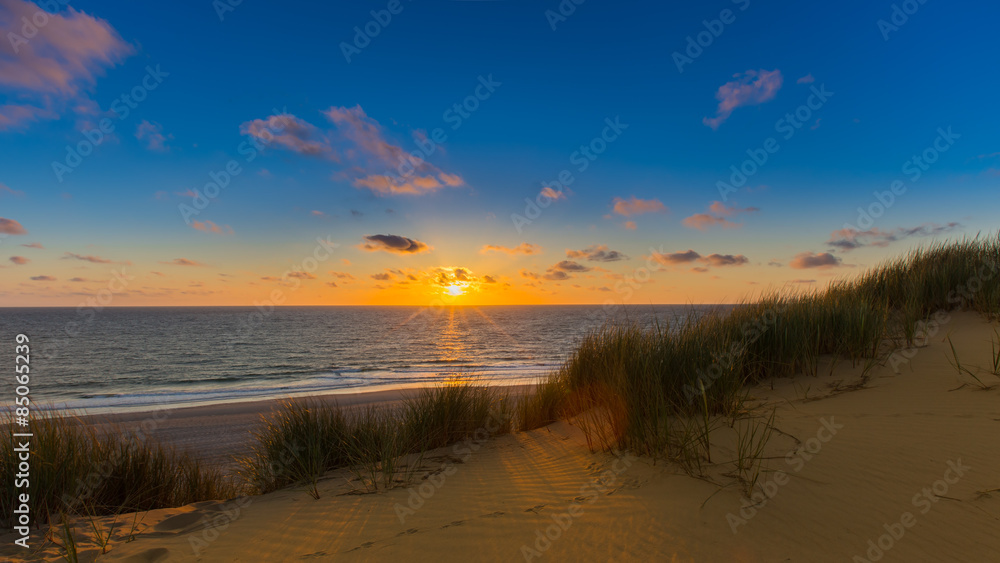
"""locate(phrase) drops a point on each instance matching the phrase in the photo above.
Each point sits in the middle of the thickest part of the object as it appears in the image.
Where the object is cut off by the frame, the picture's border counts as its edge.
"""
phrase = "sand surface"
(912, 454)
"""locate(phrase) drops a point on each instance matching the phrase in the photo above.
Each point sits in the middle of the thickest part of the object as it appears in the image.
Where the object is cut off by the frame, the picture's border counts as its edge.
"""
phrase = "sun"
(454, 290)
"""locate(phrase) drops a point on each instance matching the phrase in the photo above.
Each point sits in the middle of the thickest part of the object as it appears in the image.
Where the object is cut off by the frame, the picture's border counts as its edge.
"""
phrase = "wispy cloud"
(807, 79)
(635, 206)
(7, 190)
(851, 239)
(33, 245)
(50, 72)
(43, 278)
(19, 260)
(183, 262)
(87, 258)
(751, 88)
(393, 243)
(523, 248)
(152, 134)
(717, 215)
(210, 227)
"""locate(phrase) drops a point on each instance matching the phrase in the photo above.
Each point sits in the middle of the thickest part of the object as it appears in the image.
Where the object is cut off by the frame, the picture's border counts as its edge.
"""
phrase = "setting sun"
(455, 290)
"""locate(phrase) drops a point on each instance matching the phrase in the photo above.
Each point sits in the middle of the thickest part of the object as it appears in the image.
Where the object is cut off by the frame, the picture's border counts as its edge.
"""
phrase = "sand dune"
(908, 462)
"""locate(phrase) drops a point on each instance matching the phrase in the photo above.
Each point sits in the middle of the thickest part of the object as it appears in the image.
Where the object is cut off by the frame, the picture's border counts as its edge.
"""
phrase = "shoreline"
(214, 433)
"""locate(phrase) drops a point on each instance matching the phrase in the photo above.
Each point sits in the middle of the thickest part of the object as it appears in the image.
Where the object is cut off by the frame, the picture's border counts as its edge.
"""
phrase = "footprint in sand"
(408, 532)
(536, 509)
(492, 515)
(455, 523)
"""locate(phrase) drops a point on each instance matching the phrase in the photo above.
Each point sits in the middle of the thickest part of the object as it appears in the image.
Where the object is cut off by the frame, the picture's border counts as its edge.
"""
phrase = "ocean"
(137, 358)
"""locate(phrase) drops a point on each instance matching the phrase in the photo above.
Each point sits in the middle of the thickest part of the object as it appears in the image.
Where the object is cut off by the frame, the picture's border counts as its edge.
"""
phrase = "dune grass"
(76, 470)
(304, 439)
(663, 387)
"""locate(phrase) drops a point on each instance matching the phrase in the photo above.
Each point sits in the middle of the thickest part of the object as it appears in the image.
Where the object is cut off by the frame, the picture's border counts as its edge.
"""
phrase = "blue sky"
(553, 91)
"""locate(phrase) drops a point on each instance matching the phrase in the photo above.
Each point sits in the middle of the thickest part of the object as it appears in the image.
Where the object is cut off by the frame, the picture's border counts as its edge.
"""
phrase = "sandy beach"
(901, 469)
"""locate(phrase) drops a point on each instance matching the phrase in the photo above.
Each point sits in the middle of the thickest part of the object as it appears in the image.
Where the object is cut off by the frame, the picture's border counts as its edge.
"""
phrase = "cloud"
(556, 275)
(359, 143)
(43, 278)
(523, 248)
(749, 89)
(596, 253)
(356, 213)
(33, 245)
(290, 132)
(703, 221)
(569, 266)
(807, 79)
(636, 206)
(183, 262)
(300, 275)
(210, 227)
(393, 243)
(19, 260)
(317, 213)
(489, 279)
(152, 134)
(5, 189)
(851, 239)
(805, 260)
(88, 258)
(690, 256)
(630, 225)
(726, 260)
(50, 72)
(802, 281)
(380, 165)
(676, 258)
(384, 276)
(552, 194)
(11, 227)
(723, 210)
(717, 213)
(530, 275)
(341, 275)
(79, 280)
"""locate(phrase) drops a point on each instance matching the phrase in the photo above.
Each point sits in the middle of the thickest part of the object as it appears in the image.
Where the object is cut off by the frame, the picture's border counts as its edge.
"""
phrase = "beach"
(899, 469)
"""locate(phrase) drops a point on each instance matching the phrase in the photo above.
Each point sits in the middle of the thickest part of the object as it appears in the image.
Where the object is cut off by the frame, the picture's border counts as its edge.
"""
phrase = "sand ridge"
(846, 465)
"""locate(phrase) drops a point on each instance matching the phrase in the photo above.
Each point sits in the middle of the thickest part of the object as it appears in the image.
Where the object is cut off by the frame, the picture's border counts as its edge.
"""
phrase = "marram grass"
(654, 379)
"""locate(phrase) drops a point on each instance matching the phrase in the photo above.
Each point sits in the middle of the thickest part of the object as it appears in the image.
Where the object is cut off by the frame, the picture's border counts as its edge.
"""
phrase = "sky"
(484, 152)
